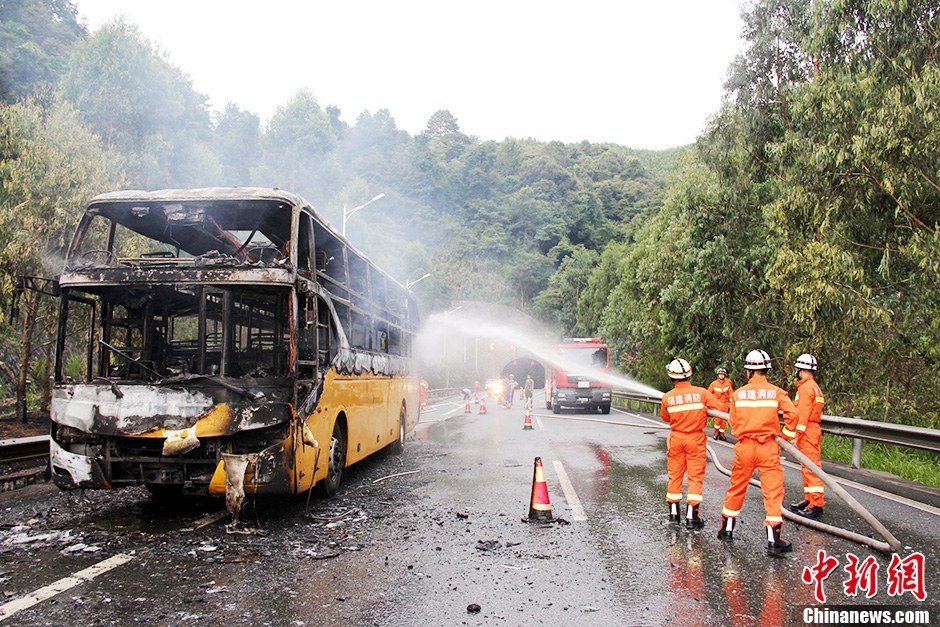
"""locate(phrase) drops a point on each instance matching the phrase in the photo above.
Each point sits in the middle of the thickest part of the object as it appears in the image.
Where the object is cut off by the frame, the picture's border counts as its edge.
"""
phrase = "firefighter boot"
(673, 512)
(777, 546)
(812, 513)
(727, 528)
(796, 507)
(692, 519)
(716, 435)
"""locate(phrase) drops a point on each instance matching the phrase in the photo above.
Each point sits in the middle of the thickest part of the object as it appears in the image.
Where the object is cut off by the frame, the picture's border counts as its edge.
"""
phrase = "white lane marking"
(457, 408)
(655, 422)
(538, 421)
(924, 507)
(574, 503)
(66, 583)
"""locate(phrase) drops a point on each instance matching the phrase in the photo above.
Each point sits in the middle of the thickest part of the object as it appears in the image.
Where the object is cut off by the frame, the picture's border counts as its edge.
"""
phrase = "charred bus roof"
(216, 229)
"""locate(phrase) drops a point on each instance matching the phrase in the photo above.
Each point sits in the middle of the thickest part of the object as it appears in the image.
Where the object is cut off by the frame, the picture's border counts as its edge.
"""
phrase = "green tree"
(36, 40)
(137, 102)
(297, 143)
(50, 166)
(236, 141)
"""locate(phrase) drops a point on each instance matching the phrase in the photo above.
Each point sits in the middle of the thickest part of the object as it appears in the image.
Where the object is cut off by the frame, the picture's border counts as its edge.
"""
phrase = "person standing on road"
(754, 422)
(529, 389)
(683, 407)
(808, 432)
(721, 388)
(511, 386)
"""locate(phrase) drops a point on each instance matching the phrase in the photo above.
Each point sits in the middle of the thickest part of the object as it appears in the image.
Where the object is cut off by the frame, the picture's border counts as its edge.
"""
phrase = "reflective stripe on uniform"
(697, 498)
(729, 513)
(788, 434)
(672, 496)
(801, 427)
(686, 407)
(774, 519)
(814, 489)
(820, 400)
(761, 403)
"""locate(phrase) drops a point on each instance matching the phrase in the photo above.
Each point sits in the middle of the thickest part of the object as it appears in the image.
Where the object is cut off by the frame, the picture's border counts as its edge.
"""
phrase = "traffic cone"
(483, 409)
(527, 424)
(466, 408)
(540, 507)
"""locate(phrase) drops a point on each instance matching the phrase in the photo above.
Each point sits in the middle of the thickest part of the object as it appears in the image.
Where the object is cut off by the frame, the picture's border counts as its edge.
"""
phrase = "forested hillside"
(805, 217)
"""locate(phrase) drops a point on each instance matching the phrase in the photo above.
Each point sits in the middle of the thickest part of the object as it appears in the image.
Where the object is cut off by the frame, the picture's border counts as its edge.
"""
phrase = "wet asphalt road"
(417, 549)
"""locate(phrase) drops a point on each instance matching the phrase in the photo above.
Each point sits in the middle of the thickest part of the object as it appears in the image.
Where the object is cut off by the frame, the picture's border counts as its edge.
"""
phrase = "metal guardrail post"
(856, 452)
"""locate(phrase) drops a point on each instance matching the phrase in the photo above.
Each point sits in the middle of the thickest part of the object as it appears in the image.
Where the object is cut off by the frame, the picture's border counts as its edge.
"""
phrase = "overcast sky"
(643, 74)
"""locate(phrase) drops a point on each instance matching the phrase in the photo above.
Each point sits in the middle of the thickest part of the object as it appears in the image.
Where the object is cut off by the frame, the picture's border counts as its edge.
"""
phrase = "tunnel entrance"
(522, 367)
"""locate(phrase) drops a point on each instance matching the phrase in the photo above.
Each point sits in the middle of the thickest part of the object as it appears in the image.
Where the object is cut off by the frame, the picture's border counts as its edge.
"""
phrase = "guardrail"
(442, 392)
(856, 428)
(19, 449)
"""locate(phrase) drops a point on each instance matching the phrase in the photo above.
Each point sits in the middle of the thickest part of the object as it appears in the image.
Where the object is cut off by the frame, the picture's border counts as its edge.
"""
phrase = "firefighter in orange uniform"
(808, 432)
(754, 422)
(721, 388)
(683, 407)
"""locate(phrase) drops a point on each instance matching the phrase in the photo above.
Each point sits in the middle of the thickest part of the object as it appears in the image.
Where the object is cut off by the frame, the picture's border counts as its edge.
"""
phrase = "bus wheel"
(399, 445)
(336, 463)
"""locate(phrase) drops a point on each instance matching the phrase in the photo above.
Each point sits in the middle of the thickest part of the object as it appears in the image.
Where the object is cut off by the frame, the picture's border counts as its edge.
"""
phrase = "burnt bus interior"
(153, 331)
(150, 332)
(198, 294)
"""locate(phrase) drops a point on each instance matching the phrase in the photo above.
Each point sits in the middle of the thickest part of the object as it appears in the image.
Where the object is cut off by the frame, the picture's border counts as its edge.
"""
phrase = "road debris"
(397, 474)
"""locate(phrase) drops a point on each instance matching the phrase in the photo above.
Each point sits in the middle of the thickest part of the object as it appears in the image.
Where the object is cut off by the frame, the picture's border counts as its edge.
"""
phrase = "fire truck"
(573, 382)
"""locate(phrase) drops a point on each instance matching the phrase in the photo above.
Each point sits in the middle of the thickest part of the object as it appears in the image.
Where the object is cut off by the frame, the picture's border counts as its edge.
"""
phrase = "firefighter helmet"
(721, 371)
(679, 369)
(757, 360)
(806, 362)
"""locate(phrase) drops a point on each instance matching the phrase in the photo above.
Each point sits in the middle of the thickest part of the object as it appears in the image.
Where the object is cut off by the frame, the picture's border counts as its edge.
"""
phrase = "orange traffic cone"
(540, 507)
(466, 408)
(483, 409)
(527, 424)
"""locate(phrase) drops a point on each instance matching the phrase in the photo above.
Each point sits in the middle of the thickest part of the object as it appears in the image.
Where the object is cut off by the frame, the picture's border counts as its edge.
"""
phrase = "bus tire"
(398, 446)
(336, 462)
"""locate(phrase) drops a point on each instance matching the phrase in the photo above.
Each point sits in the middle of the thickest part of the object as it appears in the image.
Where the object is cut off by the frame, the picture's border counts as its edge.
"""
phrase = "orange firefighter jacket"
(683, 407)
(722, 391)
(809, 407)
(754, 409)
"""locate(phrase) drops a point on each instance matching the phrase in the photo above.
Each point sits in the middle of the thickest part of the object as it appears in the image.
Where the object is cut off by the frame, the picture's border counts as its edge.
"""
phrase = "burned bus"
(213, 341)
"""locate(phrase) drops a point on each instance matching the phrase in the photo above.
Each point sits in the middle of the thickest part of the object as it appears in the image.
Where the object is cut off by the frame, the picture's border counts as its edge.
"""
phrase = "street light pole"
(349, 212)
(408, 284)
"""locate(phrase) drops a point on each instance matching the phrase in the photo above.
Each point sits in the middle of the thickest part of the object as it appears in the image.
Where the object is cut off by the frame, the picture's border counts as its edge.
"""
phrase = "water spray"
(463, 324)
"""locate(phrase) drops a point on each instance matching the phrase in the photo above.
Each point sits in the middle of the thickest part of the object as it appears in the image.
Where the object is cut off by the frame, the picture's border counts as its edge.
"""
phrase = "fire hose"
(891, 544)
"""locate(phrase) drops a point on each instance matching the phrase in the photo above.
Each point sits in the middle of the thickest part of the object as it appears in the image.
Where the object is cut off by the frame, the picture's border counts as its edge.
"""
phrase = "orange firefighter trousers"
(809, 443)
(764, 455)
(686, 454)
